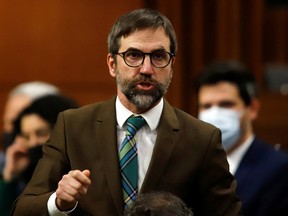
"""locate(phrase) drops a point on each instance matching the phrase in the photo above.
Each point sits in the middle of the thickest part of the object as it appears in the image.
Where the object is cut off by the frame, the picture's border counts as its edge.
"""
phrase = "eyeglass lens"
(158, 58)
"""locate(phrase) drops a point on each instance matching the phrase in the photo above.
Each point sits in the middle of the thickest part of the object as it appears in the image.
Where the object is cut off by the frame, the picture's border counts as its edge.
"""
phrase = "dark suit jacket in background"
(262, 178)
(187, 160)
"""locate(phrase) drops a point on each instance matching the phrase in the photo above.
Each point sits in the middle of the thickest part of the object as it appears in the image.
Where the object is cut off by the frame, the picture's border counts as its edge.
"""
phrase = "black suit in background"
(262, 178)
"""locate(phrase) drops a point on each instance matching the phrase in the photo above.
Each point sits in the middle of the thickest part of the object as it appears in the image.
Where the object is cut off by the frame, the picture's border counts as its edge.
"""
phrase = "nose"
(33, 141)
(146, 67)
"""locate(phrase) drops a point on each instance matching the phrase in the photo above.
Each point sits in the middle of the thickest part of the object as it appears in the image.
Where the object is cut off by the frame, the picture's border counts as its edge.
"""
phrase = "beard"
(142, 99)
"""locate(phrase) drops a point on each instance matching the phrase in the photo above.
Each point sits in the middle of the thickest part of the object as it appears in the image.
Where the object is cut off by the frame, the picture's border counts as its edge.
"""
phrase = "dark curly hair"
(158, 203)
(233, 72)
(47, 107)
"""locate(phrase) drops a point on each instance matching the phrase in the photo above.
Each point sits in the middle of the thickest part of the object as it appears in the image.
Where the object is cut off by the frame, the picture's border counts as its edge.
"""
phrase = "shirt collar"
(152, 116)
(236, 156)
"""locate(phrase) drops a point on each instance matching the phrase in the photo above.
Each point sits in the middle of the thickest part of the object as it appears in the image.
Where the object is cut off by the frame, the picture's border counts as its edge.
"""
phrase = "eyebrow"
(221, 103)
(156, 49)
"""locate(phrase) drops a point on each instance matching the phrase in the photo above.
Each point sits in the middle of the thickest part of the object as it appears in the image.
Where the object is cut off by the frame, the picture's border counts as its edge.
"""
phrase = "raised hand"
(71, 188)
(16, 159)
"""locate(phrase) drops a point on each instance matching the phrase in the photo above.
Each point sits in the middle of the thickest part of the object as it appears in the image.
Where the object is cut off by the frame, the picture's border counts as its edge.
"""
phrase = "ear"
(111, 64)
(172, 66)
(254, 109)
(173, 60)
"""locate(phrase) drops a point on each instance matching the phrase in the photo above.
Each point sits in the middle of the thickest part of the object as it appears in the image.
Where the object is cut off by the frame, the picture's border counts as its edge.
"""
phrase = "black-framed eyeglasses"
(135, 58)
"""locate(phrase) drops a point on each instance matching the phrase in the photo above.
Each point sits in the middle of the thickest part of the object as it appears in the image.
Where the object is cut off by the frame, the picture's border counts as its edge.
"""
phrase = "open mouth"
(145, 85)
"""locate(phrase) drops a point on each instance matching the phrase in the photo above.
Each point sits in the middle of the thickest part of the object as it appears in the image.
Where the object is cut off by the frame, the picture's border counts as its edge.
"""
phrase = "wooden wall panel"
(235, 30)
(64, 42)
(276, 34)
(272, 124)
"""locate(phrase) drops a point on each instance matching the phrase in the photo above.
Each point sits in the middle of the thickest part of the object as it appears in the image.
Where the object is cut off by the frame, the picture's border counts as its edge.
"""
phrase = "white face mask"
(227, 120)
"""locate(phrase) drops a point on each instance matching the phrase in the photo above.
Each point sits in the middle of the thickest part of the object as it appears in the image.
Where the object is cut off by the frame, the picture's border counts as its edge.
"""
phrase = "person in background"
(158, 203)
(34, 124)
(228, 99)
(18, 99)
(101, 155)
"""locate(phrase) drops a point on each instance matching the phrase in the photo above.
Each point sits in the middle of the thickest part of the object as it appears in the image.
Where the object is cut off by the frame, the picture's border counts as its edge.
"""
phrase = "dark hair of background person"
(233, 72)
(158, 204)
(48, 108)
(138, 20)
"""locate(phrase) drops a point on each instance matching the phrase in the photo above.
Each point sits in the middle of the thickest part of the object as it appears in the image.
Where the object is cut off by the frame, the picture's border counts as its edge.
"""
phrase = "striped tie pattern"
(129, 161)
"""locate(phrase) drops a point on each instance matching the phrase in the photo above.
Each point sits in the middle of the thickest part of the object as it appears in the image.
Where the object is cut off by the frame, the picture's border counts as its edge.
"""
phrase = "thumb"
(86, 172)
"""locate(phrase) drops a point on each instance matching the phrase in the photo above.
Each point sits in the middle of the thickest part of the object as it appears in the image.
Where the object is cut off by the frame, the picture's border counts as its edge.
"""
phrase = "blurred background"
(64, 43)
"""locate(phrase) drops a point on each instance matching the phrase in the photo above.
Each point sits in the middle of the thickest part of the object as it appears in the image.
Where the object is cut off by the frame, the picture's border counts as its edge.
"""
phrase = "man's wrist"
(52, 208)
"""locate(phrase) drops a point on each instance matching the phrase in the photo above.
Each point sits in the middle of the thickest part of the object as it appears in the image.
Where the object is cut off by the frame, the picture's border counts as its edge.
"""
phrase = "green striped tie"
(129, 161)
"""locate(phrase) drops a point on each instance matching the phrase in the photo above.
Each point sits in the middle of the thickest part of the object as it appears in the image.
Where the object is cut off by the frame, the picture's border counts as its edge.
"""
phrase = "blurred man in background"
(227, 96)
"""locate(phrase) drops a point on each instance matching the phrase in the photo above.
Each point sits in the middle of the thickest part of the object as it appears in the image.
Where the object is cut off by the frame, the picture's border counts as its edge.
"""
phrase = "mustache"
(145, 78)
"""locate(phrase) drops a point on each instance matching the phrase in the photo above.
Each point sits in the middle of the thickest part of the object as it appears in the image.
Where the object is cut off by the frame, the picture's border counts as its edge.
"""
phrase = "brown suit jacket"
(187, 160)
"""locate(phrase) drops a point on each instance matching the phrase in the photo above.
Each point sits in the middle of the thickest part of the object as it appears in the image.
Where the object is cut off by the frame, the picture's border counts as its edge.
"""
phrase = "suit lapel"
(106, 127)
(167, 136)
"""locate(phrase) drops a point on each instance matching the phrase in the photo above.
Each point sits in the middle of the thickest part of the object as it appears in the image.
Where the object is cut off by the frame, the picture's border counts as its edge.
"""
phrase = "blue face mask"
(227, 120)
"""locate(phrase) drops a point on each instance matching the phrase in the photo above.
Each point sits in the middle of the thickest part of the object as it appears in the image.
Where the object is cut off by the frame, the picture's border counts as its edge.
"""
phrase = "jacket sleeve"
(218, 185)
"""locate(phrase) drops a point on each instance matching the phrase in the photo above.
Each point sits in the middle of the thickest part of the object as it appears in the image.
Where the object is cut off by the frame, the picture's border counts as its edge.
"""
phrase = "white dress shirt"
(236, 156)
(145, 138)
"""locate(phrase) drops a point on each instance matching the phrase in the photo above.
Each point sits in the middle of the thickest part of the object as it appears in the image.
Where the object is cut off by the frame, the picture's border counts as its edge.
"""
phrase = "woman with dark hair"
(34, 124)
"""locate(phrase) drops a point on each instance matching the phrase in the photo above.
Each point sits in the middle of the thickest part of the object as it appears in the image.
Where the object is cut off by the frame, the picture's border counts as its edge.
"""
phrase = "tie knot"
(135, 123)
